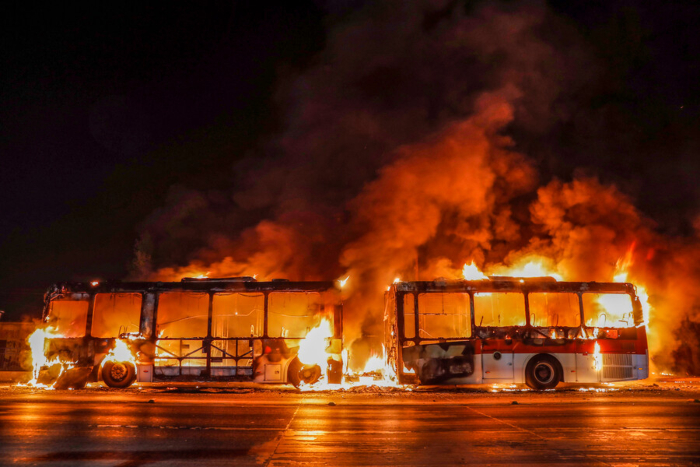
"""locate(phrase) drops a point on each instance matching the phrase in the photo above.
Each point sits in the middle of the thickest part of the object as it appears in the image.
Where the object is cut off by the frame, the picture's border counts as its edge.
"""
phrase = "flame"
(596, 357)
(471, 273)
(312, 349)
(120, 353)
(375, 364)
(37, 344)
(530, 266)
(94, 283)
(343, 281)
(621, 273)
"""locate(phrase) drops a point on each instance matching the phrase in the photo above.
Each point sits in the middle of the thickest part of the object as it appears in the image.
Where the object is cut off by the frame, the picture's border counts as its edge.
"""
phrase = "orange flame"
(120, 353)
(597, 358)
(471, 272)
(312, 349)
(530, 266)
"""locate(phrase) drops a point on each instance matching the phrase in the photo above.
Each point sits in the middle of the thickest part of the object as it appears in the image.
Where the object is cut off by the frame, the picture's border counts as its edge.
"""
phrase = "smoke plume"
(399, 158)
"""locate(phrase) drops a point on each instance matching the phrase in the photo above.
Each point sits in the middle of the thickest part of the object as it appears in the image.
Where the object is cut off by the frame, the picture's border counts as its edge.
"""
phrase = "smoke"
(398, 159)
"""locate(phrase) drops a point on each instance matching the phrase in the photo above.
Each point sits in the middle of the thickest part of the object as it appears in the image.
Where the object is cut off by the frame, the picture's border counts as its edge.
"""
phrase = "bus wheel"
(543, 372)
(298, 373)
(118, 374)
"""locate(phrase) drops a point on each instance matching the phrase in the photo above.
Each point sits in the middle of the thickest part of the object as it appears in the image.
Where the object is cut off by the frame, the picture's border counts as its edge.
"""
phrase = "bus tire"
(298, 373)
(118, 374)
(543, 372)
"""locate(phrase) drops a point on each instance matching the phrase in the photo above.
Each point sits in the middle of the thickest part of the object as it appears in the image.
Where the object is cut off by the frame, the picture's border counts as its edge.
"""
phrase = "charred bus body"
(204, 329)
(515, 330)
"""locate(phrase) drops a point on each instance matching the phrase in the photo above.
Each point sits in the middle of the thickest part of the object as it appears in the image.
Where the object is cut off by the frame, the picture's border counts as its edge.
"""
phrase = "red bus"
(515, 330)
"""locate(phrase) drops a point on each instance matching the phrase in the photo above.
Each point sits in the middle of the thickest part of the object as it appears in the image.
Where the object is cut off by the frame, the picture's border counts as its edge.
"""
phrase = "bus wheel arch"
(118, 374)
(543, 371)
(298, 373)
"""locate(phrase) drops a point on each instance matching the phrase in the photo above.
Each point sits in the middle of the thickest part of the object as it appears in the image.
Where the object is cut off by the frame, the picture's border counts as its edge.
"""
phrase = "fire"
(531, 266)
(120, 353)
(342, 282)
(597, 357)
(471, 273)
(621, 272)
(37, 344)
(312, 350)
(37, 341)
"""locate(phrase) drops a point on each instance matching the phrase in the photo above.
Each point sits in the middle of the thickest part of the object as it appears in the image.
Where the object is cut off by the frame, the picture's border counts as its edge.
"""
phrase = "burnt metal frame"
(513, 285)
(209, 286)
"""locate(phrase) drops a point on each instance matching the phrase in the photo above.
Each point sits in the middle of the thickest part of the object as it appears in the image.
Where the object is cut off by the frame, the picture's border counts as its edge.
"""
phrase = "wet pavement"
(641, 424)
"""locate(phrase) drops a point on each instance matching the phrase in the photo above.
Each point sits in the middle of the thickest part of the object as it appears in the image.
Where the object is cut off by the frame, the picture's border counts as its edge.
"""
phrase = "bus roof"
(514, 284)
(194, 285)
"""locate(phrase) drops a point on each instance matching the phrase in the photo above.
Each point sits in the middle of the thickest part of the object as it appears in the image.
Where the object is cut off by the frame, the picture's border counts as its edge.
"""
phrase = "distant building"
(14, 349)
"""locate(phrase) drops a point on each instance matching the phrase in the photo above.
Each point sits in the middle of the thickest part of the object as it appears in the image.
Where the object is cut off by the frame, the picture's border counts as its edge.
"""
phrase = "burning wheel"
(298, 373)
(543, 372)
(118, 374)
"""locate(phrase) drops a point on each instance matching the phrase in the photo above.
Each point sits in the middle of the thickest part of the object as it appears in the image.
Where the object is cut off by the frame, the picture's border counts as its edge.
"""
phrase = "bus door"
(494, 313)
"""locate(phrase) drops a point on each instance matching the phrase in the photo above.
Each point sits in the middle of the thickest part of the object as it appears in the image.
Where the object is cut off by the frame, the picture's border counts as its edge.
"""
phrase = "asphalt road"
(157, 426)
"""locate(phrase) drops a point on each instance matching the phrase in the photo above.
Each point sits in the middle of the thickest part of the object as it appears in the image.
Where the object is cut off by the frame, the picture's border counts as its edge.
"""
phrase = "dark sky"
(104, 108)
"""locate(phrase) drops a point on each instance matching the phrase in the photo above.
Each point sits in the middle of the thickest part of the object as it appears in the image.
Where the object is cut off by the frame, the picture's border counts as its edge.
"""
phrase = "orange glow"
(529, 266)
(621, 273)
(37, 342)
(343, 281)
(120, 353)
(94, 283)
(597, 357)
(312, 349)
(471, 272)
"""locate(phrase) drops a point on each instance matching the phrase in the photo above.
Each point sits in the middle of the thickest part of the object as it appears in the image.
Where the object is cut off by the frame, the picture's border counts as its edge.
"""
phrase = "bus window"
(69, 317)
(444, 315)
(113, 313)
(608, 310)
(237, 315)
(293, 314)
(182, 314)
(554, 309)
(499, 309)
(409, 316)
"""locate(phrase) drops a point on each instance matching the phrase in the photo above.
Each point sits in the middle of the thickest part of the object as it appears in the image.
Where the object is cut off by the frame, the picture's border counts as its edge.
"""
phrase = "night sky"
(104, 110)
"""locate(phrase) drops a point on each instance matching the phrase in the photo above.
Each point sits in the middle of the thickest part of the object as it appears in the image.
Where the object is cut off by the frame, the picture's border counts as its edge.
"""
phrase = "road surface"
(186, 426)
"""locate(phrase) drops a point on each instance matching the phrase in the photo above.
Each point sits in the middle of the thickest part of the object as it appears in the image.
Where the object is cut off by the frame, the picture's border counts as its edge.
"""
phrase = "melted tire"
(118, 374)
(293, 372)
(543, 372)
(298, 373)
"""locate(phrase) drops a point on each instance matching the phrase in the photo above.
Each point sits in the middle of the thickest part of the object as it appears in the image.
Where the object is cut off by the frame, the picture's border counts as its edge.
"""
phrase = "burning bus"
(536, 331)
(229, 329)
